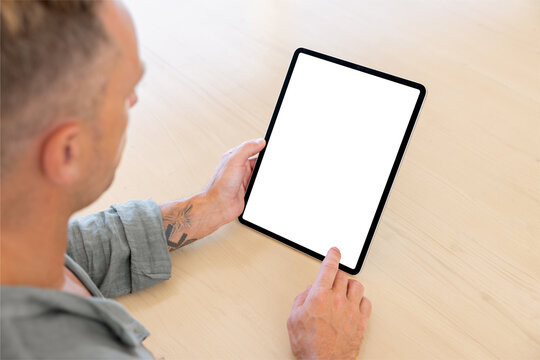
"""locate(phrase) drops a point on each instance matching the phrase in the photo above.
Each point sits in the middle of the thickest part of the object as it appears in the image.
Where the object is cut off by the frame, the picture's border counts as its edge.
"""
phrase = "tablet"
(334, 145)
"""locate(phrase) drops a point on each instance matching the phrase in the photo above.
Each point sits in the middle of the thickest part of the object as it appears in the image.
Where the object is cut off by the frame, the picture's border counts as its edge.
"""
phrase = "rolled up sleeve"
(123, 248)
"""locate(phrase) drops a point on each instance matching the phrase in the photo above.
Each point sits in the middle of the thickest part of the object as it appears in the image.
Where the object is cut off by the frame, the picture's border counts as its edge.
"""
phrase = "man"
(69, 70)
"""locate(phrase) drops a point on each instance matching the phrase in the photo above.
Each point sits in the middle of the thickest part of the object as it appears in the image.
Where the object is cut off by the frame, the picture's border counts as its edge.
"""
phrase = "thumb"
(247, 149)
(299, 300)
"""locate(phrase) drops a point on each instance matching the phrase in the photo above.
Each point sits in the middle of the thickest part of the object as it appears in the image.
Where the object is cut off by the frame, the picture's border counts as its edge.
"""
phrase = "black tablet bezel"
(393, 172)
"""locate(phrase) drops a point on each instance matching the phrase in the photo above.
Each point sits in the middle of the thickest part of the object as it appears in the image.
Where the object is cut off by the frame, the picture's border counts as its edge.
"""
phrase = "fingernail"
(260, 141)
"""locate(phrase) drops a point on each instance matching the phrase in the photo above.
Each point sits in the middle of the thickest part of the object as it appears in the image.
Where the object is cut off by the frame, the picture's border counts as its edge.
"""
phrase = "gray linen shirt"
(117, 251)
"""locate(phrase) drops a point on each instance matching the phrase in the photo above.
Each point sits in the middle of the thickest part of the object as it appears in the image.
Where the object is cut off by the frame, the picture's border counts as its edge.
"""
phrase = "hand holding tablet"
(334, 144)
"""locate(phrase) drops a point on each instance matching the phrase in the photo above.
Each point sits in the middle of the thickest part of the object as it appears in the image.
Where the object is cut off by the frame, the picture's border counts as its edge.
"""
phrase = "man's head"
(68, 73)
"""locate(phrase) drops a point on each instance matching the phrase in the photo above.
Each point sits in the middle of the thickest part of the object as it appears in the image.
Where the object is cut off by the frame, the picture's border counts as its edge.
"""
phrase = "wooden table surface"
(453, 270)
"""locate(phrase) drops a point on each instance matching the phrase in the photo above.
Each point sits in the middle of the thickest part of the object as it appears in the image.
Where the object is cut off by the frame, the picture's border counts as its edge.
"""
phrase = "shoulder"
(32, 327)
(63, 336)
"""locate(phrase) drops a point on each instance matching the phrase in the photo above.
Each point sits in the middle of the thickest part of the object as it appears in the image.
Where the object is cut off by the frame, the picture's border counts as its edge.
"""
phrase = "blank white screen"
(329, 156)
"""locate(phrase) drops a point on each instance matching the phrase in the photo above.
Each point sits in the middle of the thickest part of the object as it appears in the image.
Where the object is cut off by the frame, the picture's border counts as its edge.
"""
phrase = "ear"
(61, 154)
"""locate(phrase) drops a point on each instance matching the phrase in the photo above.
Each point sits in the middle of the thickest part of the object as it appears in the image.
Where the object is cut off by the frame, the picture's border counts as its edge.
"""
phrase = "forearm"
(191, 219)
(121, 248)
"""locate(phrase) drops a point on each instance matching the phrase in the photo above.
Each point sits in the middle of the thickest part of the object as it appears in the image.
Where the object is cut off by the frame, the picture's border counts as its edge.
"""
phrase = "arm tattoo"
(177, 221)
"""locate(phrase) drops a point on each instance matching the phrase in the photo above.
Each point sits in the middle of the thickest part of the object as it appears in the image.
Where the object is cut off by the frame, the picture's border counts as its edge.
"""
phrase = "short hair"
(49, 53)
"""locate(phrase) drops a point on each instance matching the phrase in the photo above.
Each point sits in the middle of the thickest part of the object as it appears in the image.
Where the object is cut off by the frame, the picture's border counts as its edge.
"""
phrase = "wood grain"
(453, 271)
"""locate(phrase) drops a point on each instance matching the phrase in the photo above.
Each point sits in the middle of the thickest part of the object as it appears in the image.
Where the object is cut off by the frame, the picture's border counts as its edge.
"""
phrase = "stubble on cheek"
(120, 151)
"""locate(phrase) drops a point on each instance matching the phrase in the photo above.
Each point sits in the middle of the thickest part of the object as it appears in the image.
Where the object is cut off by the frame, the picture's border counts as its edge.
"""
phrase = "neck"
(33, 244)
